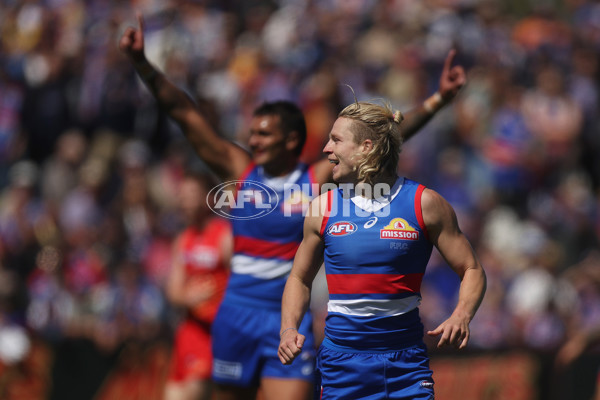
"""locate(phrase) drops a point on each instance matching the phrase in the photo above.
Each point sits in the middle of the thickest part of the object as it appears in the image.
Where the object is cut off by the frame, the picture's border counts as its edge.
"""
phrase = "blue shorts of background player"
(245, 343)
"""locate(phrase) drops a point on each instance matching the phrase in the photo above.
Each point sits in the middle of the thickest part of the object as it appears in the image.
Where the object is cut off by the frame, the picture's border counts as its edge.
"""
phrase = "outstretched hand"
(132, 41)
(455, 332)
(452, 79)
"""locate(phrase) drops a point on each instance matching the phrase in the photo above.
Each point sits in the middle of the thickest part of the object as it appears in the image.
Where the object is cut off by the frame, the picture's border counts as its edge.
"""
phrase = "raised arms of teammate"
(225, 158)
(443, 231)
(229, 160)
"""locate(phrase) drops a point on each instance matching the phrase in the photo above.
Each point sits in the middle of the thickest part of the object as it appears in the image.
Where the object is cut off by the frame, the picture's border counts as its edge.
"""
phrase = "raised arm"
(451, 81)
(296, 295)
(225, 158)
(442, 228)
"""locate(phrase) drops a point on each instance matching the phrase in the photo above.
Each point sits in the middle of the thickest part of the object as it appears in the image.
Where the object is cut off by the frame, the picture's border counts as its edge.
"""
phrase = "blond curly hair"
(381, 125)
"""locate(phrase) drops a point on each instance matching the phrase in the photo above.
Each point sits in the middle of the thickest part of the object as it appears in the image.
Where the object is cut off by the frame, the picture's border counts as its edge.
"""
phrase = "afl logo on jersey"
(342, 228)
(398, 228)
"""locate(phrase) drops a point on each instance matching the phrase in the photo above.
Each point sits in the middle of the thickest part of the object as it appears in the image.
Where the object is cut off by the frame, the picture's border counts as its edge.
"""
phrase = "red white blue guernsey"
(264, 247)
(376, 253)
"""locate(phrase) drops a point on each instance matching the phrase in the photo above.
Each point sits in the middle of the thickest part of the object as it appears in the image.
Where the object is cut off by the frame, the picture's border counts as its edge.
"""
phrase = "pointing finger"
(140, 19)
(449, 59)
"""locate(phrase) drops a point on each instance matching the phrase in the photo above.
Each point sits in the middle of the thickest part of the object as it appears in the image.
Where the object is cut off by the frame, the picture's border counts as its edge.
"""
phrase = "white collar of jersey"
(374, 205)
(278, 183)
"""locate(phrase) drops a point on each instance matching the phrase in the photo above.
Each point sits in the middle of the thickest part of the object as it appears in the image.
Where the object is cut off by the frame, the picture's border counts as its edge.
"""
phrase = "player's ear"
(367, 146)
(292, 141)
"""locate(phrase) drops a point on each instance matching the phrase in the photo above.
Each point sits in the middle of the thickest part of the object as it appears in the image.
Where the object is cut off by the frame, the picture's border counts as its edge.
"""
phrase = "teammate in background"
(197, 281)
(376, 235)
(246, 329)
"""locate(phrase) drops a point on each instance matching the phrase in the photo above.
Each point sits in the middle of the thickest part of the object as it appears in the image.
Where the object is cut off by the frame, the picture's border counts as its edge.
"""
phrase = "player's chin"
(338, 177)
(260, 157)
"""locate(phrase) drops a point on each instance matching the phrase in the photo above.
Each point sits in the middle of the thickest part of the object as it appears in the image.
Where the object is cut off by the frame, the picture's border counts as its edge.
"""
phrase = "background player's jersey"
(203, 262)
(264, 247)
(375, 257)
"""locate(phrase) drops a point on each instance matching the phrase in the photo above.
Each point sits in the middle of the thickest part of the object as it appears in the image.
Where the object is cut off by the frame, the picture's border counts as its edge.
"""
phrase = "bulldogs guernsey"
(375, 258)
(264, 247)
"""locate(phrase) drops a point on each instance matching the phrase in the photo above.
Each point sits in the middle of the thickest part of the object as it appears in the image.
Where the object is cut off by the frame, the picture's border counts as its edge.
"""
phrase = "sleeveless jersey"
(265, 246)
(374, 262)
(203, 261)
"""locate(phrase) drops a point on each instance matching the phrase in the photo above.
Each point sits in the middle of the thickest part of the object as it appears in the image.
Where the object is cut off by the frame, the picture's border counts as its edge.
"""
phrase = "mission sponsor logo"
(342, 228)
(398, 228)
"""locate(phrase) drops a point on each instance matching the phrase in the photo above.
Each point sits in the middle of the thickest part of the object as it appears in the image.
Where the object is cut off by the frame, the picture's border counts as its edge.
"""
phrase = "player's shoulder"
(432, 200)
(322, 201)
(436, 210)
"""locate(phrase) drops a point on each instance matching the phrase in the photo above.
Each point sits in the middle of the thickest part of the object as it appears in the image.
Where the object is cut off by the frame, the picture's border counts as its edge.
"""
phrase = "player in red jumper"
(197, 281)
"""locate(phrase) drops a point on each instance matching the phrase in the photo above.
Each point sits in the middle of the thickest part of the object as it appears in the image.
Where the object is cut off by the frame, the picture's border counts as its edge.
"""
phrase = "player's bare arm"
(452, 79)
(296, 296)
(444, 233)
(225, 158)
(176, 290)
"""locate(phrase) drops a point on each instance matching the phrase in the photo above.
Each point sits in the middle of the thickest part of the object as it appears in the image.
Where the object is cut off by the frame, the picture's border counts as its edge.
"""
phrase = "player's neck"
(387, 181)
(201, 220)
(280, 167)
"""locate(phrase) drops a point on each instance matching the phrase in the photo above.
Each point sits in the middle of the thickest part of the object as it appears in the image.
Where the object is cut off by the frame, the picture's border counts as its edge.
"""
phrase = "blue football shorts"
(346, 375)
(245, 341)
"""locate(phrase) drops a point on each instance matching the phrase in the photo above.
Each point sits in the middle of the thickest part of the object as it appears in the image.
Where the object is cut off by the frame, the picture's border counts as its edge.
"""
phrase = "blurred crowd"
(90, 168)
